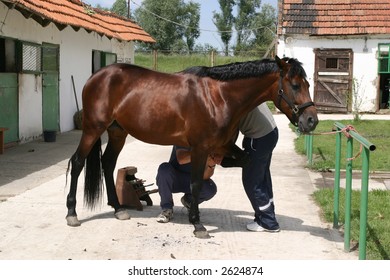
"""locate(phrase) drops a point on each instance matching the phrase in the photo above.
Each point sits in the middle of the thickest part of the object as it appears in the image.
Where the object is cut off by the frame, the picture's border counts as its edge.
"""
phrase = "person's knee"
(164, 172)
(209, 190)
(213, 188)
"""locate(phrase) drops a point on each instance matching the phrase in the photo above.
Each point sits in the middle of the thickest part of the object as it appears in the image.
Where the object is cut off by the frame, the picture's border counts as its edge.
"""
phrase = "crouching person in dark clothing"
(175, 177)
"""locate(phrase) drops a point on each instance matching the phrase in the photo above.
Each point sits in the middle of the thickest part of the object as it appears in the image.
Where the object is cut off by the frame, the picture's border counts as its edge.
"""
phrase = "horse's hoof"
(122, 214)
(72, 221)
(201, 232)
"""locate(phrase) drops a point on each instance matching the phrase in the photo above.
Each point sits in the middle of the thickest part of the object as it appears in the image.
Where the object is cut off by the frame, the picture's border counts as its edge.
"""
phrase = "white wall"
(75, 59)
(365, 64)
(30, 100)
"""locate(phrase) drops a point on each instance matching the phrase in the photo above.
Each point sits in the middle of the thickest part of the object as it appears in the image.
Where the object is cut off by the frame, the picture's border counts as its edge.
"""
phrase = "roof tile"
(334, 17)
(78, 14)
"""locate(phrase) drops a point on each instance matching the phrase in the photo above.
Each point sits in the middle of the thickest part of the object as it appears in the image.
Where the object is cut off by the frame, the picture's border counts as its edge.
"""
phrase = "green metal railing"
(367, 147)
(309, 148)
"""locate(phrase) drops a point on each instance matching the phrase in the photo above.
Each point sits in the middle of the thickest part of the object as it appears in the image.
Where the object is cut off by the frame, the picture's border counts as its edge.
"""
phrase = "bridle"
(296, 109)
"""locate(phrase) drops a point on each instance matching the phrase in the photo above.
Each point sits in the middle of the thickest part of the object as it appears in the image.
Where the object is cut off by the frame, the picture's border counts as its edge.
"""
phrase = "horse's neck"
(247, 94)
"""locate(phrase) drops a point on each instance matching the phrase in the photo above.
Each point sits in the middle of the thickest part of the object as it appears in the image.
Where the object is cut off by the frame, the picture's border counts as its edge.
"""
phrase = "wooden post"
(155, 60)
(212, 58)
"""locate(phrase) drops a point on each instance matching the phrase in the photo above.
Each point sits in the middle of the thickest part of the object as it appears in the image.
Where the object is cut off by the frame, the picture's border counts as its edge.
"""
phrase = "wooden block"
(125, 191)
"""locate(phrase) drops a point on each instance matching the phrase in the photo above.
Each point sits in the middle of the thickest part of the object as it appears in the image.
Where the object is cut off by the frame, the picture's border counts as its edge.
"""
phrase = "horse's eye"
(295, 87)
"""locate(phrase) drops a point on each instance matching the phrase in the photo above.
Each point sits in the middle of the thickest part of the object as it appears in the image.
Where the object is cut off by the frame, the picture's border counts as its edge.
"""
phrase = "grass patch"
(378, 216)
(378, 219)
(170, 63)
(376, 131)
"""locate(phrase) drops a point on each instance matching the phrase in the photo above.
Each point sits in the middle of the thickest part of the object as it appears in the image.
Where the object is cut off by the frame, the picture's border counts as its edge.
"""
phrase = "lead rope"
(345, 131)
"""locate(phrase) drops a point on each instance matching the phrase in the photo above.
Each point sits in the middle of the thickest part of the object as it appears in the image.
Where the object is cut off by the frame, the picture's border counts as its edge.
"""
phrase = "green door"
(50, 87)
(9, 106)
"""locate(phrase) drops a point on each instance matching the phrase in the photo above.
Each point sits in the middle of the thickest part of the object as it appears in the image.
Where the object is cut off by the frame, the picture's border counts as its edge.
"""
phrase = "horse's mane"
(296, 68)
(242, 70)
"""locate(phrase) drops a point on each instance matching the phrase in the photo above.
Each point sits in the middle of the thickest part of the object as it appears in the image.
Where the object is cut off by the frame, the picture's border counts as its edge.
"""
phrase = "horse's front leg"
(198, 162)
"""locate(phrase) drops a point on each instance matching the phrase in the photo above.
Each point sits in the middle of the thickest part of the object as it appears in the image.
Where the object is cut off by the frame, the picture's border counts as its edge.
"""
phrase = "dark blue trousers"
(256, 178)
(170, 180)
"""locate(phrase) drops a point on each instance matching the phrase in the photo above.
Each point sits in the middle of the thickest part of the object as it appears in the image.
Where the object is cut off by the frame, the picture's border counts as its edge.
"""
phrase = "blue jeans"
(170, 180)
(256, 177)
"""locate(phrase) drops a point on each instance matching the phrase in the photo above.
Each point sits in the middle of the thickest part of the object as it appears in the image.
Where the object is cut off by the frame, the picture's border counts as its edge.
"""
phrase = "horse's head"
(293, 95)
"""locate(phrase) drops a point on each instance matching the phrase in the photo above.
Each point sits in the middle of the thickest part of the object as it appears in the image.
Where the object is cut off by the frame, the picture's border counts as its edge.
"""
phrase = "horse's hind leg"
(77, 162)
(77, 166)
(116, 140)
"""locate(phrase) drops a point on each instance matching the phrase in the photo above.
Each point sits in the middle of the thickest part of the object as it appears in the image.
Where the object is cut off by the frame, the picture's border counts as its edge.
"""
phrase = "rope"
(345, 131)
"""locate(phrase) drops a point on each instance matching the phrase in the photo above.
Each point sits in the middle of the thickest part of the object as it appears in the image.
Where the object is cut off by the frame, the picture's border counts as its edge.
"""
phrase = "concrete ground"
(33, 226)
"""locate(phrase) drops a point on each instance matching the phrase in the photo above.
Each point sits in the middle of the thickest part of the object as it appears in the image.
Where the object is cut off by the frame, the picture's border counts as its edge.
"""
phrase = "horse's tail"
(93, 185)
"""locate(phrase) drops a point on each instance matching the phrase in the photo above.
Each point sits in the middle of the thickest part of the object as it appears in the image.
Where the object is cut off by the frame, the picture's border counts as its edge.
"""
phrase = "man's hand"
(212, 161)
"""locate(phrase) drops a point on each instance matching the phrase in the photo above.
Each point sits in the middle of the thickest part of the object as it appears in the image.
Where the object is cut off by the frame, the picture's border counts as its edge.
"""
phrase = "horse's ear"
(279, 62)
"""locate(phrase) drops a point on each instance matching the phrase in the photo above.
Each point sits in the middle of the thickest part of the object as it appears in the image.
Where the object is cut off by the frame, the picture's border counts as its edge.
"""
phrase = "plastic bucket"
(49, 135)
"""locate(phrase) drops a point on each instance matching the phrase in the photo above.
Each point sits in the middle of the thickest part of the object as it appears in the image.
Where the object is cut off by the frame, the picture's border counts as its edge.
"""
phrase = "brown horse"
(198, 108)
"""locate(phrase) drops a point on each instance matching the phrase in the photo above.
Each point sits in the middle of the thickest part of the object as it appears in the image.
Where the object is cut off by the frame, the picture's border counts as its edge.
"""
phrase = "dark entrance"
(384, 75)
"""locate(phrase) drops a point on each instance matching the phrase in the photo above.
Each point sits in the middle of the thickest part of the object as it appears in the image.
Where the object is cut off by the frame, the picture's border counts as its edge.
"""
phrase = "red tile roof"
(334, 17)
(77, 14)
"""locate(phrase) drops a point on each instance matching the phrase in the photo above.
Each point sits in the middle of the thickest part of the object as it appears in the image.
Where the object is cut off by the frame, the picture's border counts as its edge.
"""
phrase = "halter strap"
(296, 109)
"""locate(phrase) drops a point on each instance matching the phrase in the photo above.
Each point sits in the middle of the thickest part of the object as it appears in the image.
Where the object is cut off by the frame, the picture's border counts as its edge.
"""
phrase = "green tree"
(255, 29)
(264, 28)
(173, 23)
(191, 17)
(245, 22)
(224, 22)
(120, 8)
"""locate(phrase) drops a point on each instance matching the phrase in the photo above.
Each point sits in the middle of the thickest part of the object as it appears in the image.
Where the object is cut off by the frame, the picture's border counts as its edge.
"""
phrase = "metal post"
(364, 204)
(310, 149)
(336, 200)
(348, 195)
(368, 146)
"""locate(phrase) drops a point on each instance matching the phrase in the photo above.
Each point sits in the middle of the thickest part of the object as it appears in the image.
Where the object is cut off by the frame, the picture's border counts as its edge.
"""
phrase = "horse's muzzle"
(307, 122)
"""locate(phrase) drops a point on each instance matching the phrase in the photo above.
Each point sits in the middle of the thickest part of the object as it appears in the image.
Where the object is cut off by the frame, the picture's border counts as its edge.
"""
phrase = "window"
(101, 59)
(383, 58)
(18, 56)
(31, 57)
(7, 55)
(50, 58)
(332, 63)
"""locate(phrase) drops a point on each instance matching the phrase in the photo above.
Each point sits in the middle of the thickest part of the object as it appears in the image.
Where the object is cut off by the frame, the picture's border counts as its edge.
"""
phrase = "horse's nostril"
(311, 122)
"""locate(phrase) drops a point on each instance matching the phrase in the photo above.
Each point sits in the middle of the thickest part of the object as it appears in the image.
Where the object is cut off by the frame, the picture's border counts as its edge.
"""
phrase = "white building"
(344, 47)
(43, 43)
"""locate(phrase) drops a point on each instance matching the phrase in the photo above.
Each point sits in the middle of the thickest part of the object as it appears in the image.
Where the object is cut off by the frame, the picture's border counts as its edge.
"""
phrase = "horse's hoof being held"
(122, 214)
(72, 221)
(201, 232)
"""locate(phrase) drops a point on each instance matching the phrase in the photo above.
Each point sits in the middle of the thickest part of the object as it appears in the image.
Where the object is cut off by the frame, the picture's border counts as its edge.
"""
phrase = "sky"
(208, 32)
